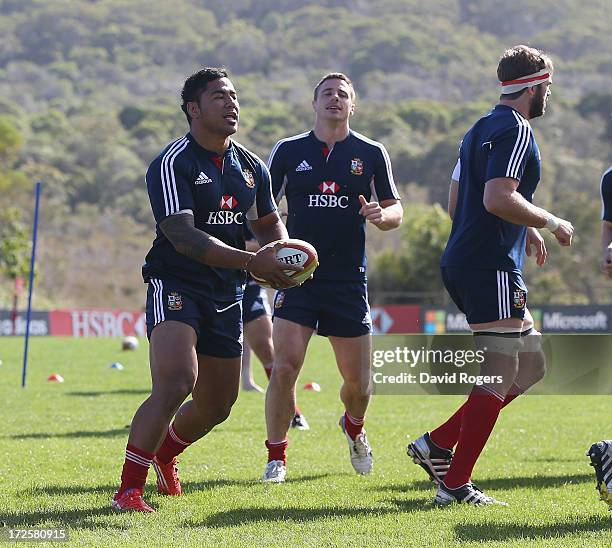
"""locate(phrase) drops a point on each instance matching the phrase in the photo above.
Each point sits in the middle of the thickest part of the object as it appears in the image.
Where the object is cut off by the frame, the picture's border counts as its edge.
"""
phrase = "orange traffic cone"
(56, 378)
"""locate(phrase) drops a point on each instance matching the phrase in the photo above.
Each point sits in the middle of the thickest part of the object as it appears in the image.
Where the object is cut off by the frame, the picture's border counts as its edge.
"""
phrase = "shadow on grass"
(515, 531)
(55, 490)
(540, 482)
(252, 482)
(76, 434)
(74, 519)
(188, 486)
(555, 460)
(275, 514)
(413, 505)
(519, 482)
(120, 392)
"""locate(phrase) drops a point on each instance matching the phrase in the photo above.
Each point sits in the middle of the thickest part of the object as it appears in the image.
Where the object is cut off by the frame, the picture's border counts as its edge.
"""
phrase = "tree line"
(89, 93)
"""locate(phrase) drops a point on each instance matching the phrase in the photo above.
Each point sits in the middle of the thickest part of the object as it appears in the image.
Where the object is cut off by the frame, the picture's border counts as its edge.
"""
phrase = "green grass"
(62, 447)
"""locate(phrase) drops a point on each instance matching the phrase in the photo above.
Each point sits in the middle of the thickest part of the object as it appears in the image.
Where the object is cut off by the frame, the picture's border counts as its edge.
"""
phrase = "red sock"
(353, 425)
(297, 410)
(277, 450)
(479, 416)
(172, 446)
(135, 468)
(447, 434)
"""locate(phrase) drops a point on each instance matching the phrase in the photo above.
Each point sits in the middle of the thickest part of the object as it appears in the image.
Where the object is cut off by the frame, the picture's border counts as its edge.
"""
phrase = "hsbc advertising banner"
(97, 323)
(392, 319)
(547, 319)
(76, 323)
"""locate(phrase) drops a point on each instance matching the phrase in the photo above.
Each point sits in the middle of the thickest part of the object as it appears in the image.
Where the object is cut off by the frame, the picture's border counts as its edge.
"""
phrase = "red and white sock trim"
(535, 79)
(176, 437)
(276, 443)
(492, 392)
(131, 456)
(353, 420)
(277, 450)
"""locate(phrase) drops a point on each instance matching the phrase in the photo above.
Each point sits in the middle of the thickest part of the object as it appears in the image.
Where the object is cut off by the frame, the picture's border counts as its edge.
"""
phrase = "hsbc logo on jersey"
(328, 197)
(228, 202)
(226, 216)
(329, 187)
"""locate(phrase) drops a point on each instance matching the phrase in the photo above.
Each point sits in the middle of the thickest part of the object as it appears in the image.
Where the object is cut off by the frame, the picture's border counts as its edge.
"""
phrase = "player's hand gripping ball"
(294, 252)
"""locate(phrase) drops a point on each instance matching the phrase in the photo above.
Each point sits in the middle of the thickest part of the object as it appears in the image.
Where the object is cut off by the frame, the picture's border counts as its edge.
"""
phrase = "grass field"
(62, 447)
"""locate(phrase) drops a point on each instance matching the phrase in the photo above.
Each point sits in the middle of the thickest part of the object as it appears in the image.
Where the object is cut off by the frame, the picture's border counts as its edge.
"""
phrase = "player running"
(334, 181)
(601, 452)
(494, 223)
(202, 187)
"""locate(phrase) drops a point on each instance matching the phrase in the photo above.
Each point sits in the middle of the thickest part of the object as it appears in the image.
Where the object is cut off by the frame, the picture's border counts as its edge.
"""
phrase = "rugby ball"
(129, 343)
(294, 252)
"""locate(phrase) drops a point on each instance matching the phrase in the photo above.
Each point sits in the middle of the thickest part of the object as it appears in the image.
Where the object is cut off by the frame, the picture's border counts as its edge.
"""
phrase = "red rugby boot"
(130, 501)
(167, 477)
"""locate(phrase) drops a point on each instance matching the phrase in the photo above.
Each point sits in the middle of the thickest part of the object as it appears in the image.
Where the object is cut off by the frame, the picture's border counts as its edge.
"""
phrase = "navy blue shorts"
(486, 295)
(254, 302)
(218, 325)
(339, 309)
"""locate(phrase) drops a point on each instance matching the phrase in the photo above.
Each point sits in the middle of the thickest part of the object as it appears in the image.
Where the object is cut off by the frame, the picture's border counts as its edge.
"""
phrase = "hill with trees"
(89, 94)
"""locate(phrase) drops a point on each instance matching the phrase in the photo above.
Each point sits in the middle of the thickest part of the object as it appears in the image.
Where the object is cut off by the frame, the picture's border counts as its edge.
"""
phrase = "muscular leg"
(214, 394)
(481, 410)
(290, 343)
(531, 369)
(353, 360)
(174, 369)
(532, 361)
(258, 333)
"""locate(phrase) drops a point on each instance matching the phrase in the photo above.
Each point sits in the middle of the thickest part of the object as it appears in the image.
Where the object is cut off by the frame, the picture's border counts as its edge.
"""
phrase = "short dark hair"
(520, 61)
(196, 84)
(334, 76)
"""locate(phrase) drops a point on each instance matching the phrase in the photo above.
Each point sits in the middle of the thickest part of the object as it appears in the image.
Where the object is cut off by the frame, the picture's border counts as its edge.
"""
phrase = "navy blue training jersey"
(606, 195)
(501, 144)
(322, 188)
(248, 234)
(221, 192)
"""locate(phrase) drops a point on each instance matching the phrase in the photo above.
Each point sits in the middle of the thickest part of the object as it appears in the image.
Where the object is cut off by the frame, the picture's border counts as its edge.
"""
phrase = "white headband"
(512, 86)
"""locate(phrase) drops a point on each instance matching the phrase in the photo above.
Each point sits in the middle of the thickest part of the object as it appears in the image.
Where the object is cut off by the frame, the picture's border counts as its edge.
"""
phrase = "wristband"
(552, 223)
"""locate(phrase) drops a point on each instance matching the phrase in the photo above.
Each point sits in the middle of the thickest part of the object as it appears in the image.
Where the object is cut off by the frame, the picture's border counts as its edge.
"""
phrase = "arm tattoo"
(186, 238)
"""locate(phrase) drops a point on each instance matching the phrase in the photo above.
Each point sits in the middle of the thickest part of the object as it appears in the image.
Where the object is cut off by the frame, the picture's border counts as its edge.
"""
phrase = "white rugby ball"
(129, 343)
(294, 252)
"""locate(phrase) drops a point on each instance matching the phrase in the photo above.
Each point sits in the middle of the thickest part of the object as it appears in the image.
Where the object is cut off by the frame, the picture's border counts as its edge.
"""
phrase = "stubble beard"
(537, 107)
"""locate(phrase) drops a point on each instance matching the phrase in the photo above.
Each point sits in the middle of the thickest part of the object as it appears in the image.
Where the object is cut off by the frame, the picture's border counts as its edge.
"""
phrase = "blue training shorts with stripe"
(333, 308)
(486, 295)
(218, 324)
